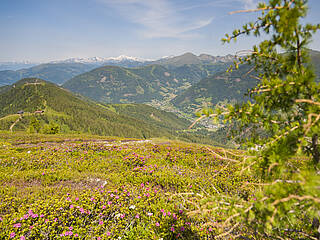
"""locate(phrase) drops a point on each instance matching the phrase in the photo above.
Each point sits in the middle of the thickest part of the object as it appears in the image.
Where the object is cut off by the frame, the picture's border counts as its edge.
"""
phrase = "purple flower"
(22, 238)
(157, 224)
(12, 235)
(100, 222)
(17, 225)
(172, 229)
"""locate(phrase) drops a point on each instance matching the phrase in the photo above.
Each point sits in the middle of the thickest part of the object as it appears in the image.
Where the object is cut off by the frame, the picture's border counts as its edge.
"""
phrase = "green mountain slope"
(112, 84)
(219, 87)
(53, 72)
(225, 86)
(72, 114)
(192, 59)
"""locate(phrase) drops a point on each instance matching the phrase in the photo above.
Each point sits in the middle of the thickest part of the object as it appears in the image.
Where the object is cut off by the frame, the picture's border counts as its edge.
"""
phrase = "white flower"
(149, 214)
(132, 207)
(29, 152)
(118, 215)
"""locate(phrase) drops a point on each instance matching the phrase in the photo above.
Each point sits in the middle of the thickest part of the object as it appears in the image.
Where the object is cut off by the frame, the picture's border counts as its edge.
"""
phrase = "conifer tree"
(282, 121)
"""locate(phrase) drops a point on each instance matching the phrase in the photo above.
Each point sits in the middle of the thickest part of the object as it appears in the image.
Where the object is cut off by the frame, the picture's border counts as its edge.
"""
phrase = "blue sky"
(45, 30)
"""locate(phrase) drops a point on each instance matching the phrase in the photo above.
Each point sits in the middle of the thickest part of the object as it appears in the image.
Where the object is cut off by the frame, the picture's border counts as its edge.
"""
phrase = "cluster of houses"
(35, 112)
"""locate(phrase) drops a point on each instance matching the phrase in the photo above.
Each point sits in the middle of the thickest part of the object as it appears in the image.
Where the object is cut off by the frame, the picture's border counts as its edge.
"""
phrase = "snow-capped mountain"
(102, 60)
(15, 65)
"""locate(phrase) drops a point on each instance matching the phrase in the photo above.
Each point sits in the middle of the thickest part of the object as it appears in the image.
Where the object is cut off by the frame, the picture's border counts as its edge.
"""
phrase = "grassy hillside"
(53, 72)
(72, 114)
(111, 84)
(79, 187)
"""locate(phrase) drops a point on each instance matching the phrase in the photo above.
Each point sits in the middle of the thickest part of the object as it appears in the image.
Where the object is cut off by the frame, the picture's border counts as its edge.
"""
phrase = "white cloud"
(159, 18)
(249, 4)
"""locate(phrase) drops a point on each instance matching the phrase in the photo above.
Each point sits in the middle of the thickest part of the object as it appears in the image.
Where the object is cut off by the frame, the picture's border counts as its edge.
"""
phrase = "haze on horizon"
(38, 30)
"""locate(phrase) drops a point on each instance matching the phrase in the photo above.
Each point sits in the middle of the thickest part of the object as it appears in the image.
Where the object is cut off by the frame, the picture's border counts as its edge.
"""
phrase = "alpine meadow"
(219, 145)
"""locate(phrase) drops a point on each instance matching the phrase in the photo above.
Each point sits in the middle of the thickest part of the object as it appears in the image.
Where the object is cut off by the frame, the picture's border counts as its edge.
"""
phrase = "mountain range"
(180, 84)
(60, 71)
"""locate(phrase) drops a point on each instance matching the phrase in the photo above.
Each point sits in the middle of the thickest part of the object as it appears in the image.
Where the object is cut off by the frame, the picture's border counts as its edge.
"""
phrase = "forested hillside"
(112, 84)
(226, 86)
(67, 113)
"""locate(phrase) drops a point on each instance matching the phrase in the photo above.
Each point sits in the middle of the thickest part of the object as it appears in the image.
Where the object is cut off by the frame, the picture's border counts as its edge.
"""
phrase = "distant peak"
(120, 58)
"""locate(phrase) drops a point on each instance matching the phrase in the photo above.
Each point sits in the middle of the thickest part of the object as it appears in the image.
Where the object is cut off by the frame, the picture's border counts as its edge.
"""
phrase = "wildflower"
(157, 224)
(81, 210)
(210, 229)
(100, 222)
(12, 235)
(103, 207)
(108, 233)
(182, 229)
(71, 206)
(70, 228)
(172, 229)
(149, 214)
(132, 207)
(76, 235)
(22, 238)
(17, 225)
(137, 216)
(109, 203)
